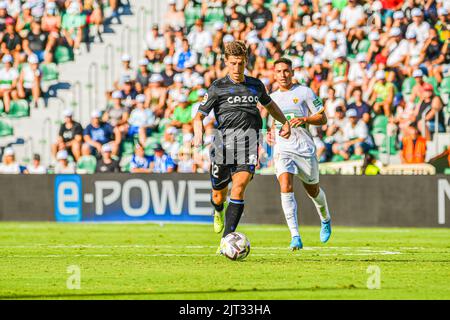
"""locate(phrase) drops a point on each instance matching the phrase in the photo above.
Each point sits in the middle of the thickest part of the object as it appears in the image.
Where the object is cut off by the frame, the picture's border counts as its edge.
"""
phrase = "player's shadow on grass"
(149, 294)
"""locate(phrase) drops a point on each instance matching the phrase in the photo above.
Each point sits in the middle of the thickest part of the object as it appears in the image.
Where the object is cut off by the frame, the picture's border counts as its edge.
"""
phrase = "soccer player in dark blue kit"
(234, 153)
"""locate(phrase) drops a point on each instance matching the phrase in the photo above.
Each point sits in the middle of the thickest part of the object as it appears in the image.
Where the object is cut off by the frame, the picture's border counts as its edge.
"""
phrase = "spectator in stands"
(356, 139)
(51, 21)
(170, 142)
(140, 162)
(126, 73)
(9, 164)
(8, 81)
(73, 24)
(107, 164)
(417, 90)
(161, 162)
(64, 166)
(332, 103)
(362, 108)
(174, 17)
(142, 120)
(98, 133)
(429, 107)
(261, 19)
(25, 19)
(11, 42)
(338, 76)
(382, 94)
(87, 163)
(185, 162)
(155, 41)
(357, 75)
(199, 38)
(156, 94)
(169, 72)
(183, 56)
(414, 146)
(182, 115)
(70, 136)
(129, 93)
(405, 115)
(94, 15)
(117, 116)
(36, 167)
(419, 26)
(142, 76)
(38, 42)
(29, 84)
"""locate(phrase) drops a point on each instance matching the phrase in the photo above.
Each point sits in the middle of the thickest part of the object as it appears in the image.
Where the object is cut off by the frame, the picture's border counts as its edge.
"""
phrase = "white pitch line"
(150, 246)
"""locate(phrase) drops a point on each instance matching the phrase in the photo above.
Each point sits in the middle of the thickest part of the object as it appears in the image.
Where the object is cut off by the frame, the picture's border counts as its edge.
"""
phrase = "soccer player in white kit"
(296, 155)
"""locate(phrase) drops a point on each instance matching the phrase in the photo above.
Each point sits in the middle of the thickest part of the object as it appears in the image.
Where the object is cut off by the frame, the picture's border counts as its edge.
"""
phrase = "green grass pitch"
(178, 261)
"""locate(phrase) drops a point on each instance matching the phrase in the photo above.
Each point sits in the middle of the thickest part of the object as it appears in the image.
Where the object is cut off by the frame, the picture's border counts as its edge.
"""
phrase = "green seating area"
(379, 127)
(63, 54)
(50, 72)
(19, 109)
(6, 129)
(86, 165)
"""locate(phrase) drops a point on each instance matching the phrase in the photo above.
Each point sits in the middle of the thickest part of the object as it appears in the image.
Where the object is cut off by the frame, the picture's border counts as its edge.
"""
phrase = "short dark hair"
(285, 61)
(36, 157)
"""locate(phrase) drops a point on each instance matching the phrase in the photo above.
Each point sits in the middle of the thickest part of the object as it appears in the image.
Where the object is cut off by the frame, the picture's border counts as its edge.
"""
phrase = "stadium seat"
(19, 109)
(125, 163)
(214, 15)
(192, 13)
(86, 164)
(49, 72)
(150, 145)
(444, 90)
(363, 46)
(337, 158)
(433, 81)
(379, 124)
(356, 157)
(447, 171)
(63, 54)
(6, 129)
(127, 147)
(408, 85)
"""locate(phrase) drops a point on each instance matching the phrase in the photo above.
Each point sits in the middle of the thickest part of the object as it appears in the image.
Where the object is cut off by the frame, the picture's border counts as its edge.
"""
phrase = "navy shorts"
(221, 174)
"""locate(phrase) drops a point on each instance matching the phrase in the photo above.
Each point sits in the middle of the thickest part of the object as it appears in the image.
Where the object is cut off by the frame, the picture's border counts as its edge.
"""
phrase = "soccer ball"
(236, 246)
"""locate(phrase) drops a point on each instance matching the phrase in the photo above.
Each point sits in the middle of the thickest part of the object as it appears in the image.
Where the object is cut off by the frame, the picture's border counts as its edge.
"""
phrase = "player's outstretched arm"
(198, 130)
(317, 119)
(278, 115)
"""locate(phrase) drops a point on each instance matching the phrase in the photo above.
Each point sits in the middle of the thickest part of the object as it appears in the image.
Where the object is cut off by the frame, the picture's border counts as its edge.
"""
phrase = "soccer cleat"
(219, 217)
(325, 231)
(219, 250)
(296, 243)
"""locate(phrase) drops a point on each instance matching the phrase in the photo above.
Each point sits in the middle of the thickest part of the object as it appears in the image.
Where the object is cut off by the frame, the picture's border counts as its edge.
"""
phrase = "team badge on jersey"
(295, 100)
(205, 99)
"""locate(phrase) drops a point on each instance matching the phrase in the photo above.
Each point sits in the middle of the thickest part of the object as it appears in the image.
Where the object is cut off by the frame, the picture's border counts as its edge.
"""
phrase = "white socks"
(321, 205)
(290, 212)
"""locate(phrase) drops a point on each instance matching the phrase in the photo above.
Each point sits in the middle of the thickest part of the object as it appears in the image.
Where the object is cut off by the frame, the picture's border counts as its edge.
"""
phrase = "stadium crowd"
(382, 69)
(36, 34)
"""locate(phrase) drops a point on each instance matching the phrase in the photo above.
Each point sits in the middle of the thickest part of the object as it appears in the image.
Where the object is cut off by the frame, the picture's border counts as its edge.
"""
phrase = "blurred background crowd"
(382, 69)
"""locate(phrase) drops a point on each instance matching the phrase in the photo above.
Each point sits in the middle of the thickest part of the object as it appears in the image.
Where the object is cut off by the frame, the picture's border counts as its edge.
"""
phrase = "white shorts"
(306, 168)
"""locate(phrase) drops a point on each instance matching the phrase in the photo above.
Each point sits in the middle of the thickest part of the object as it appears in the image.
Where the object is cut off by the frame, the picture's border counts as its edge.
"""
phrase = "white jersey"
(299, 101)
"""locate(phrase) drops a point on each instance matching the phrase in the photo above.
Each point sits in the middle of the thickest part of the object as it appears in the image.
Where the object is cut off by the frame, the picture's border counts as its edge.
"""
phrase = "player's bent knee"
(218, 197)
